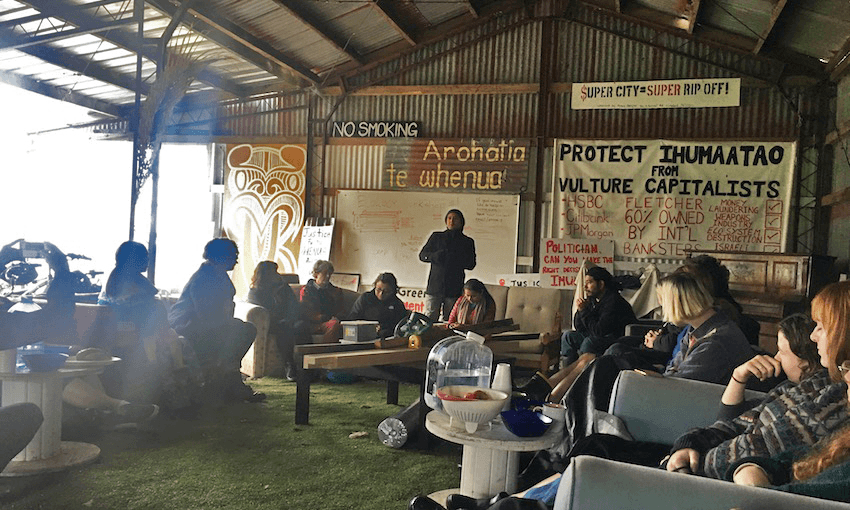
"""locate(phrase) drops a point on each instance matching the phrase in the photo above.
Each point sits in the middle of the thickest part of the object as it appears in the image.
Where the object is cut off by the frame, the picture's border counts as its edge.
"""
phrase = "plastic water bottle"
(457, 360)
(392, 432)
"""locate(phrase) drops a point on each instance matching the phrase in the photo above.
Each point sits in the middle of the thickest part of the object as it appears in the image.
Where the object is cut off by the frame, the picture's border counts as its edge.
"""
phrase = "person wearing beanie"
(450, 253)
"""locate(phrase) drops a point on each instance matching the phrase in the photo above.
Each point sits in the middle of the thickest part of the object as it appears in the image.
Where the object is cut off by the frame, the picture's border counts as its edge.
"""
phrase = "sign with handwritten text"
(659, 198)
(482, 165)
(561, 259)
(700, 93)
(315, 245)
(518, 280)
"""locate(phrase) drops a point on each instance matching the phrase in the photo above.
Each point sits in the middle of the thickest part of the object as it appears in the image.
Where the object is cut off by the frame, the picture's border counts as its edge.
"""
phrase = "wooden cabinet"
(770, 286)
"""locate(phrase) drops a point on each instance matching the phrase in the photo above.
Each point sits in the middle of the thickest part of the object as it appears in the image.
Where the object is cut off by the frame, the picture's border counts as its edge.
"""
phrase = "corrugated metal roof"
(263, 46)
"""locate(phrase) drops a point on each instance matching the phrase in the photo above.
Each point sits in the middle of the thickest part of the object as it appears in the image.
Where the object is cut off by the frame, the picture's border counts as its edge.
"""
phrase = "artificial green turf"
(253, 456)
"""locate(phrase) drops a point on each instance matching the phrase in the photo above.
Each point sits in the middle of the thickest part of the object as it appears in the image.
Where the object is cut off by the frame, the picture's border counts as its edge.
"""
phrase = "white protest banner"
(315, 245)
(518, 280)
(561, 259)
(623, 95)
(659, 198)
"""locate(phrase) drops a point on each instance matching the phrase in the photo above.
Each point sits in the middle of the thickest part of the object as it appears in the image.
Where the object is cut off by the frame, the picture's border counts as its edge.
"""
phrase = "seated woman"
(792, 415)
(269, 291)
(321, 304)
(153, 368)
(712, 347)
(380, 304)
(797, 357)
(475, 306)
(823, 472)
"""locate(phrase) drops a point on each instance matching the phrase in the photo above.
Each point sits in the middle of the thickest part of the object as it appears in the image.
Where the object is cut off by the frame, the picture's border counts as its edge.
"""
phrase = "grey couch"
(659, 410)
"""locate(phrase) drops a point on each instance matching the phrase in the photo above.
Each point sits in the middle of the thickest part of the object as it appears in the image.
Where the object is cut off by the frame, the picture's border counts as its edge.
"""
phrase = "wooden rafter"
(62, 94)
(83, 66)
(296, 9)
(693, 12)
(470, 6)
(240, 41)
(127, 40)
(837, 65)
(40, 16)
(774, 16)
(384, 9)
(17, 41)
(431, 35)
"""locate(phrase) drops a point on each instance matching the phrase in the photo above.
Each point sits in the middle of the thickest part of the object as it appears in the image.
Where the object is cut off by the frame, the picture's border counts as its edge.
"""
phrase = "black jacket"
(388, 313)
(449, 252)
(607, 317)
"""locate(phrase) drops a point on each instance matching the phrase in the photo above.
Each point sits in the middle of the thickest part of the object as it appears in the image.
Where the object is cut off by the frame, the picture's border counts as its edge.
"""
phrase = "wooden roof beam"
(431, 35)
(12, 40)
(84, 66)
(62, 94)
(128, 40)
(692, 13)
(473, 10)
(240, 41)
(774, 16)
(384, 8)
(40, 16)
(837, 65)
(296, 9)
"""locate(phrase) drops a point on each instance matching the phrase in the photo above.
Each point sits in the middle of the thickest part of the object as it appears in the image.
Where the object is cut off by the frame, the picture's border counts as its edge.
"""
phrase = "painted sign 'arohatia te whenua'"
(485, 165)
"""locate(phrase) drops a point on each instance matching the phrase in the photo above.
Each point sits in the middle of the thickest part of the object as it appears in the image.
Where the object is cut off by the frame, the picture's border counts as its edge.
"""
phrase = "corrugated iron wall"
(590, 48)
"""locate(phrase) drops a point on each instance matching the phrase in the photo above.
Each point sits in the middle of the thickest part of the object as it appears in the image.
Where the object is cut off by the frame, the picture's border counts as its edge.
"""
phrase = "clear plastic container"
(457, 360)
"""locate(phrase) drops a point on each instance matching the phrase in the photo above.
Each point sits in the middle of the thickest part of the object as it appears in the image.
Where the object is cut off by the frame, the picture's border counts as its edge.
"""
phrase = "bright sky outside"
(74, 191)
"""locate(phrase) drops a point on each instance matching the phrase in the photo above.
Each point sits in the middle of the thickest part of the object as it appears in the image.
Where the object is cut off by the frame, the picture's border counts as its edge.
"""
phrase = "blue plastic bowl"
(44, 361)
(526, 423)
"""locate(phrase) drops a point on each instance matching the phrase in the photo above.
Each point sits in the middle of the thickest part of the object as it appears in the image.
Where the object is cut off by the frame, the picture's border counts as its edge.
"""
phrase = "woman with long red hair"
(825, 471)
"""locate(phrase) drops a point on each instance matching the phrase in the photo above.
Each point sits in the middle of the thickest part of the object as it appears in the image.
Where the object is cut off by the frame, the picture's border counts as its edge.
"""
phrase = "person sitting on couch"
(797, 357)
(269, 291)
(792, 415)
(475, 306)
(823, 472)
(601, 318)
(380, 304)
(321, 304)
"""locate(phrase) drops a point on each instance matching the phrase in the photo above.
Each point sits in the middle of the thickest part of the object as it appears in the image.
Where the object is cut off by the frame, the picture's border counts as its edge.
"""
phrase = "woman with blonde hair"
(792, 416)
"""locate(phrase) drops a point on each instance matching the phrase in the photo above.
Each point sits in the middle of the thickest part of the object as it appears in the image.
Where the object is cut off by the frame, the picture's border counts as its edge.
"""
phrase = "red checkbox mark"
(773, 221)
(771, 234)
(774, 206)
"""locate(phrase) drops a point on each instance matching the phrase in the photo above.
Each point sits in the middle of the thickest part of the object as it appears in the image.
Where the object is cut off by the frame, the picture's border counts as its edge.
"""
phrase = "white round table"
(490, 462)
(47, 452)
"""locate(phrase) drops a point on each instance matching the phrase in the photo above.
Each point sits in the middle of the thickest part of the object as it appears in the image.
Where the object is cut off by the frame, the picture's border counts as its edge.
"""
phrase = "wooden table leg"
(302, 397)
(392, 392)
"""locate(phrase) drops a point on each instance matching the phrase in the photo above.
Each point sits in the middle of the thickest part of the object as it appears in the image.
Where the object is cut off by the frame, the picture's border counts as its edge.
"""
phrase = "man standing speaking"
(450, 253)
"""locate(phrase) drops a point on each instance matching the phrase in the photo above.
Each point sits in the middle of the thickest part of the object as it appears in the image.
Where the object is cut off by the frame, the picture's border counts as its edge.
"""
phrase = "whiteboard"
(384, 231)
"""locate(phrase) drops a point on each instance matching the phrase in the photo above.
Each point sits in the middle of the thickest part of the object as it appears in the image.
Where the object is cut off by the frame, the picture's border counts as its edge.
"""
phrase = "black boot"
(461, 502)
(537, 388)
(424, 503)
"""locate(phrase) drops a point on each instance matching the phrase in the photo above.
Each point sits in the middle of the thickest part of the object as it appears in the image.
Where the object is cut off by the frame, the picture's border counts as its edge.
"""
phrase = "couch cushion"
(500, 296)
(660, 409)
(591, 483)
(534, 308)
